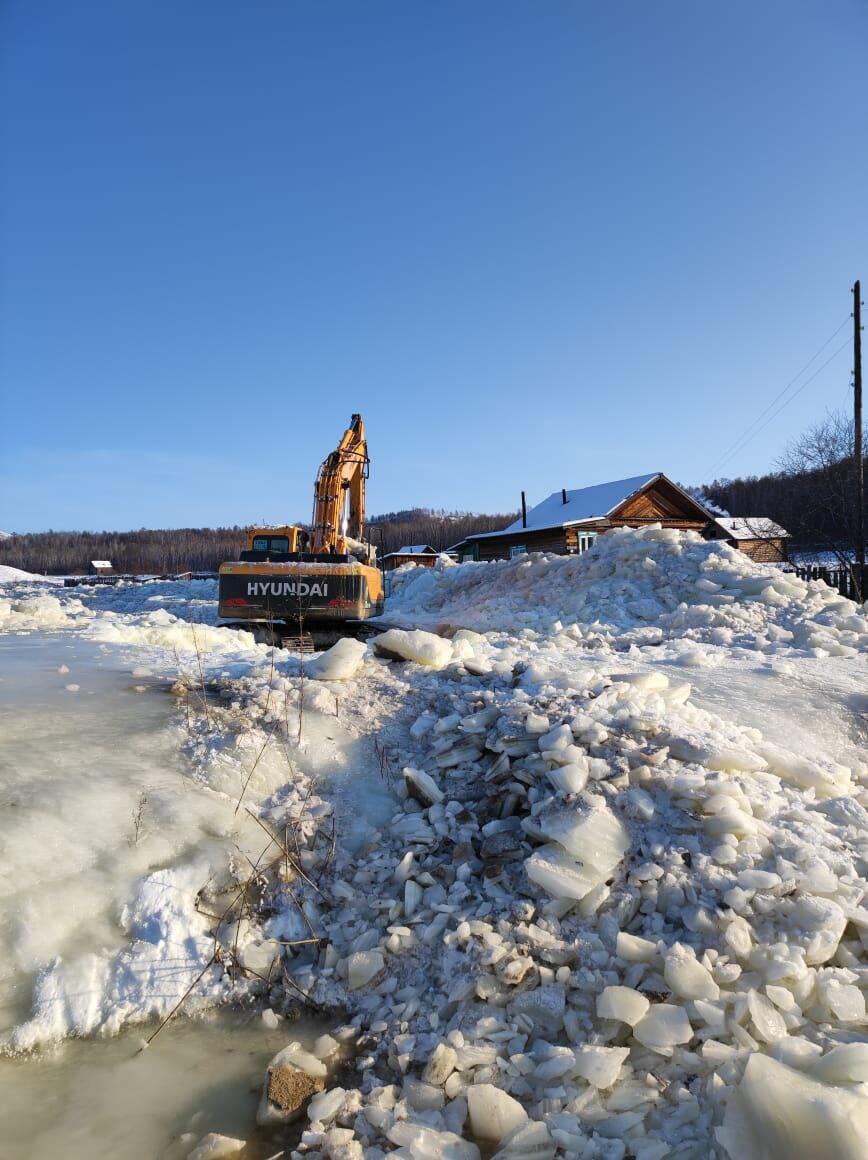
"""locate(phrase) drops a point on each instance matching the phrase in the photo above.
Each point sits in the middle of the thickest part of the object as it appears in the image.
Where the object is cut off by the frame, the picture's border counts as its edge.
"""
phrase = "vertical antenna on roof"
(523, 511)
(563, 495)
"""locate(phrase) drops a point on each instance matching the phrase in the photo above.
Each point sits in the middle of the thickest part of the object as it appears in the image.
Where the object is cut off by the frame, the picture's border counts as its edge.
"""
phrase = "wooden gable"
(661, 502)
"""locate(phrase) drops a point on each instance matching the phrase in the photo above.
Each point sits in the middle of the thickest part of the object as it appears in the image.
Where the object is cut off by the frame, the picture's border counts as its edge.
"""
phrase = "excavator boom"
(339, 492)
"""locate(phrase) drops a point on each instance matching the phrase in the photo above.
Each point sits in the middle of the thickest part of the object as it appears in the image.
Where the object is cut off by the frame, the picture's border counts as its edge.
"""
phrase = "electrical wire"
(787, 402)
(742, 439)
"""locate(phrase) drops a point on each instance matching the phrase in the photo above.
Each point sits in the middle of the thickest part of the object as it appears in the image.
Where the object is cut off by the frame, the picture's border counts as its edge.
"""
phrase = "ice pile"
(142, 626)
(604, 923)
(637, 586)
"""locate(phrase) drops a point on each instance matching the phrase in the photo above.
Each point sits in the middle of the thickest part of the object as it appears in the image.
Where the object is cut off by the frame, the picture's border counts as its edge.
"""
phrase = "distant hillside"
(440, 529)
(202, 549)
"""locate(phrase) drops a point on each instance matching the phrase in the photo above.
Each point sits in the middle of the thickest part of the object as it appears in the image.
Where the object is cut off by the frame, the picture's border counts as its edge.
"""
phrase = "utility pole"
(857, 439)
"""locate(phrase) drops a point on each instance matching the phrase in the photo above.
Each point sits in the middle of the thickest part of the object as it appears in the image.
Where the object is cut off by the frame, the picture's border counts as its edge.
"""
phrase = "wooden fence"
(844, 579)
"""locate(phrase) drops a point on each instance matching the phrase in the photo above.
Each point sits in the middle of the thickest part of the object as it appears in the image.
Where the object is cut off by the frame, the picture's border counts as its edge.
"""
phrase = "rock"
(363, 967)
(501, 848)
(545, 1005)
(215, 1147)
(494, 1115)
(440, 1065)
(422, 787)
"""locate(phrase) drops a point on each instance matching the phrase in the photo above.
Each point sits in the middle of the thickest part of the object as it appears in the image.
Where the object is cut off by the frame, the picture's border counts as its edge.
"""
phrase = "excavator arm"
(339, 492)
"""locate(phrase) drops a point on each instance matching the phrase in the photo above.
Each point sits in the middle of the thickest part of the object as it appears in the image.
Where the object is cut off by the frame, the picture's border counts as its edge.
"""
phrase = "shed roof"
(100, 564)
(415, 550)
(750, 527)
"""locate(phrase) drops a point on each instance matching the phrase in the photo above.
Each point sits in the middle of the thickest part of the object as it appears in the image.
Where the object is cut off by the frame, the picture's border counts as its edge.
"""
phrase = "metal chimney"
(563, 495)
(523, 511)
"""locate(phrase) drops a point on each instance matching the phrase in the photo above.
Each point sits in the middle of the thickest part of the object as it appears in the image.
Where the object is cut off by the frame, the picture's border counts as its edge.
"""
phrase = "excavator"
(315, 585)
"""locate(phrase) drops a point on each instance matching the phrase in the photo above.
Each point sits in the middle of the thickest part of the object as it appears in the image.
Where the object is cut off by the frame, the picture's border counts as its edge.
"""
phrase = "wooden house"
(422, 554)
(102, 567)
(568, 522)
(757, 536)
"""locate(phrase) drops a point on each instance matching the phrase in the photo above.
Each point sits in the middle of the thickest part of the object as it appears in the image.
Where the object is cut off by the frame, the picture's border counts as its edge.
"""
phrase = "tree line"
(813, 492)
(171, 550)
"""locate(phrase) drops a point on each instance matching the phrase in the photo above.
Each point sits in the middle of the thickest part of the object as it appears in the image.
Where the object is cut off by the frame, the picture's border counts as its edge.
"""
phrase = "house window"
(586, 540)
(517, 550)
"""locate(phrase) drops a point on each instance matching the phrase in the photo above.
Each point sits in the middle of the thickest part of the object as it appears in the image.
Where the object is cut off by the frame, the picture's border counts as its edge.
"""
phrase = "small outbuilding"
(757, 536)
(102, 567)
(422, 554)
(569, 521)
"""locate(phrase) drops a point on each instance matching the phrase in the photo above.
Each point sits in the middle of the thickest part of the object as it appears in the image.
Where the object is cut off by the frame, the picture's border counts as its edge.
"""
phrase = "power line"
(787, 402)
(737, 445)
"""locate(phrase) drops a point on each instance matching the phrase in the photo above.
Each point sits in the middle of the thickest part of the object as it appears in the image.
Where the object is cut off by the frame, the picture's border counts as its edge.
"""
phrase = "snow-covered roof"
(100, 564)
(584, 503)
(415, 550)
(750, 527)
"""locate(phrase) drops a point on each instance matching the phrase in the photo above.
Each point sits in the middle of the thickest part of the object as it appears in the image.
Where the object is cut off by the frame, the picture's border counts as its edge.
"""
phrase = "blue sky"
(537, 244)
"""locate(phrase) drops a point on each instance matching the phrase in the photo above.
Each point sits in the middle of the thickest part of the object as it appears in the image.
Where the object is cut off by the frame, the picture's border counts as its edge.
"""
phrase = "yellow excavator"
(323, 583)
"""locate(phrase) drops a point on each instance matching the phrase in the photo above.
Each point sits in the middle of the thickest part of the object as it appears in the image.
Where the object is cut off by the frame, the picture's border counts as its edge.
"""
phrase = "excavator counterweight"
(318, 580)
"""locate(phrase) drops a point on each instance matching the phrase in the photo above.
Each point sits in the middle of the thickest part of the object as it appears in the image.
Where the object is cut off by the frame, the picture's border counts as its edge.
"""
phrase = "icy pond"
(95, 793)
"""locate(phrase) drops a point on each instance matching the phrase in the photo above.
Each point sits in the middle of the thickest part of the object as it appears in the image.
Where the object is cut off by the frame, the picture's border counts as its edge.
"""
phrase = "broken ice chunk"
(363, 967)
(622, 1003)
(600, 1066)
(664, 1027)
(778, 1113)
(422, 647)
(493, 1114)
(686, 976)
(339, 663)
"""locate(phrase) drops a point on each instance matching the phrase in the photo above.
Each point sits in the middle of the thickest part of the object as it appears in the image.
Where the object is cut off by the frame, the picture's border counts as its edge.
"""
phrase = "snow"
(585, 503)
(750, 527)
(615, 903)
(10, 575)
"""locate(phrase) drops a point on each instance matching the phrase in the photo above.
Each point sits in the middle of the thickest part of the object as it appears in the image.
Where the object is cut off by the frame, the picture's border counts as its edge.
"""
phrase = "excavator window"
(270, 544)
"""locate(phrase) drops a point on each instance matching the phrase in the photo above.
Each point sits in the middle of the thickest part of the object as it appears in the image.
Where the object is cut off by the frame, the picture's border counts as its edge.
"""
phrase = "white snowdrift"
(10, 575)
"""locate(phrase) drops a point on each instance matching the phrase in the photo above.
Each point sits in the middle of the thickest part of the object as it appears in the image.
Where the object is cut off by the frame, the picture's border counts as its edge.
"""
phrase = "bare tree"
(821, 459)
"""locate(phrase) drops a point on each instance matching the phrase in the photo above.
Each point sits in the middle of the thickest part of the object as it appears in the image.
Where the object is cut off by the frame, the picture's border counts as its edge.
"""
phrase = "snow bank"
(9, 575)
(637, 586)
